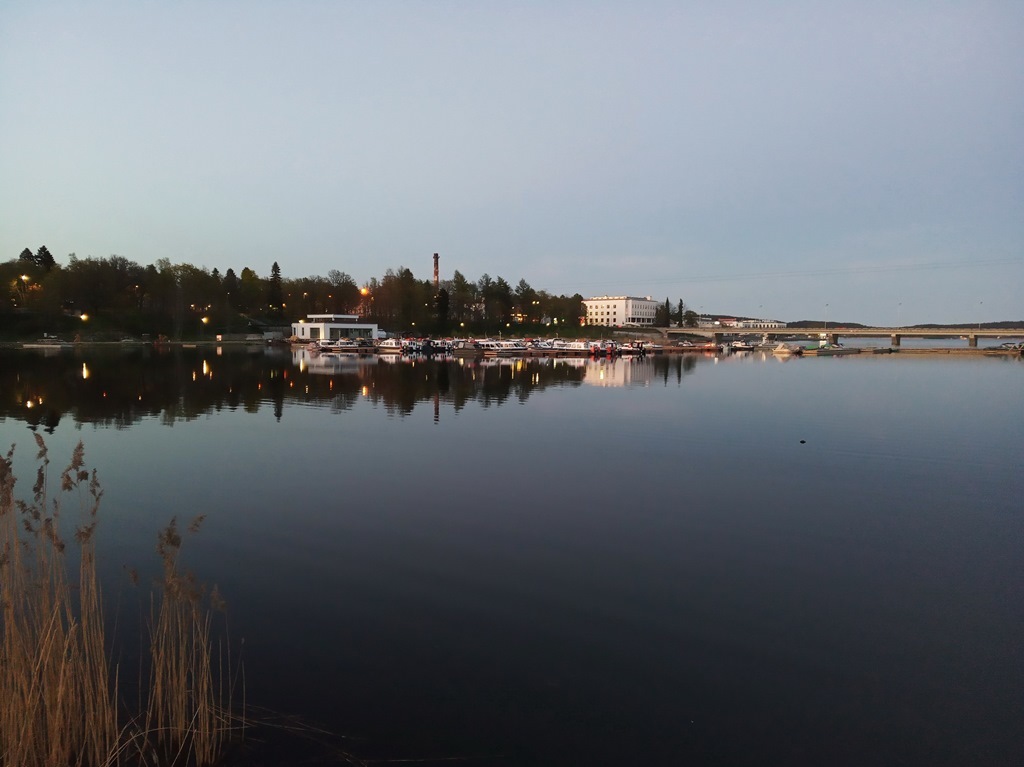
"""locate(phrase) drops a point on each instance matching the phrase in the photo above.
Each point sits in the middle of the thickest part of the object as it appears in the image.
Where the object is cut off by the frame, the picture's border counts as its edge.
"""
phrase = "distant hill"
(922, 326)
(983, 325)
(821, 323)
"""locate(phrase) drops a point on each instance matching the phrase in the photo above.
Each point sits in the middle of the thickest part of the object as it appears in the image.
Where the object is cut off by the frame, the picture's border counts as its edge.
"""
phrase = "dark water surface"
(654, 562)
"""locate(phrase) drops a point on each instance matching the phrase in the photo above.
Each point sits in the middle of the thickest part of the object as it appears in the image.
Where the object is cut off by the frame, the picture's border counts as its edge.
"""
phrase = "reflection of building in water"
(622, 371)
(330, 364)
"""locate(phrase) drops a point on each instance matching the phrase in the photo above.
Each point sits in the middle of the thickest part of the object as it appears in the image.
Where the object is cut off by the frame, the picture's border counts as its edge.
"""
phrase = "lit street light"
(23, 289)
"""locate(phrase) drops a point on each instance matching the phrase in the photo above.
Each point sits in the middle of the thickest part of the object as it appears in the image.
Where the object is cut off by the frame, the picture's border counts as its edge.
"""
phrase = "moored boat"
(464, 347)
(784, 350)
(342, 346)
(830, 350)
(577, 347)
(501, 347)
(632, 348)
(47, 342)
(690, 346)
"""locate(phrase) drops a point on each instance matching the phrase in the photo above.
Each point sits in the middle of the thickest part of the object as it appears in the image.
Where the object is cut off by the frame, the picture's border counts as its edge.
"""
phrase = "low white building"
(333, 326)
(616, 311)
(762, 324)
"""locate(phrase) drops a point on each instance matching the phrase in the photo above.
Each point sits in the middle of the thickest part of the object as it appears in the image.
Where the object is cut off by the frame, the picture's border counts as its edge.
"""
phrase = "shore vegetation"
(62, 697)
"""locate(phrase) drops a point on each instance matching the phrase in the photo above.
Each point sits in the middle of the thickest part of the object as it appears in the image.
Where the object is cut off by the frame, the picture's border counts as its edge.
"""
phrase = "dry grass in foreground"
(59, 692)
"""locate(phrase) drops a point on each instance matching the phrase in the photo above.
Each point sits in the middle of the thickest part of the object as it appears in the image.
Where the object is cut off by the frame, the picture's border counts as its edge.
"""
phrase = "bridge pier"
(832, 338)
(894, 339)
(972, 341)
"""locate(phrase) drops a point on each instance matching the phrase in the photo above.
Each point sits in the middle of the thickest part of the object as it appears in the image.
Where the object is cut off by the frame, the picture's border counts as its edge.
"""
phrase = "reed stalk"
(59, 691)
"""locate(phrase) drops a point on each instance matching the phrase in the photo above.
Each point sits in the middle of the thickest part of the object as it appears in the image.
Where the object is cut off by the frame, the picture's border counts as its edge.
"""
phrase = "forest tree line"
(186, 300)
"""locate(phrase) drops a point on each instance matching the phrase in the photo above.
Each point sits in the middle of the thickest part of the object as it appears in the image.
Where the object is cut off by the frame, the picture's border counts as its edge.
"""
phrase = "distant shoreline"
(665, 349)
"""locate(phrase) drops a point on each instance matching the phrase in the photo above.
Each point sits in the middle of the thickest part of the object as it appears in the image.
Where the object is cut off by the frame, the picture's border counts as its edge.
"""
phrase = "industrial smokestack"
(436, 282)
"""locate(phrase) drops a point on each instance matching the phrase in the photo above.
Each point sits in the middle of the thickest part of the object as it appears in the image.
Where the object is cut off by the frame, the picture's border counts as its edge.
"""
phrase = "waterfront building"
(617, 311)
(761, 324)
(732, 322)
(332, 327)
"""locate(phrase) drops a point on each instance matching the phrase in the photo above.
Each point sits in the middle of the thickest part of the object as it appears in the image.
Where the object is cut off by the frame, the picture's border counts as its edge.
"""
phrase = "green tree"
(403, 302)
(19, 276)
(441, 303)
(526, 302)
(663, 315)
(275, 295)
(44, 259)
(229, 287)
(250, 290)
(462, 297)
(503, 301)
(344, 295)
(485, 292)
(690, 318)
(565, 310)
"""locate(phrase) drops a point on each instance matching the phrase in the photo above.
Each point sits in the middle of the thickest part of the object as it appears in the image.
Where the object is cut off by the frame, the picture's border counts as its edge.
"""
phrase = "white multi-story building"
(620, 310)
(331, 327)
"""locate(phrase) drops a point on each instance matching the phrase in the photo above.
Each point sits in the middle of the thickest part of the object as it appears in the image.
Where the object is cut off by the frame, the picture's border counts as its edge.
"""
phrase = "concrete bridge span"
(834, 334)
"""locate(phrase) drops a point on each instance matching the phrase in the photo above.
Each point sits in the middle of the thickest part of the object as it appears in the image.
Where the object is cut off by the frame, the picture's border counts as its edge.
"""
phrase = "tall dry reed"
(189, 702)
(59, 699)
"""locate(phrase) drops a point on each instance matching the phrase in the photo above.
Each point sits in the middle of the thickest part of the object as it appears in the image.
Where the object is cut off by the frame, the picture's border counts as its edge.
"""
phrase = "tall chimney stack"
(436, 282)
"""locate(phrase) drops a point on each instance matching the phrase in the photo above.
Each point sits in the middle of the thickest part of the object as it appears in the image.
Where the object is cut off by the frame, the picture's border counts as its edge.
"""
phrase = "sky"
(859, 161)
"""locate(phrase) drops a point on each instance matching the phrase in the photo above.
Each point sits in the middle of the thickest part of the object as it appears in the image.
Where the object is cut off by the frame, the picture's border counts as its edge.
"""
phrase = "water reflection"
(119, 388)
(736, 550)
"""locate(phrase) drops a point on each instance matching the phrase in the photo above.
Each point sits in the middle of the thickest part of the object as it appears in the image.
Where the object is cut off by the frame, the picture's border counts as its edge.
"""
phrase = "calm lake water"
(665, 561)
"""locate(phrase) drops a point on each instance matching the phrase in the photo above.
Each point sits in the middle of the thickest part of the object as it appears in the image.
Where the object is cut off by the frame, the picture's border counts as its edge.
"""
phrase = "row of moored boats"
(484, 347)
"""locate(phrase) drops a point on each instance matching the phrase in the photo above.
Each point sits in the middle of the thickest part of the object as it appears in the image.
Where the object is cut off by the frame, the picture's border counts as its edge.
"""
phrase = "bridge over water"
(833, 334)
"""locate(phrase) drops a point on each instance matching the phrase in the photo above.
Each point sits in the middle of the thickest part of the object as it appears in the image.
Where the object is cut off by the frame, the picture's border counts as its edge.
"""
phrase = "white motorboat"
(502, 348)
(783, 350)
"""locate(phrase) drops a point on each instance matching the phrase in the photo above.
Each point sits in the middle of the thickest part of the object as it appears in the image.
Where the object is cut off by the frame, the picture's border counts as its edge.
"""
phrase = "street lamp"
(826, 318)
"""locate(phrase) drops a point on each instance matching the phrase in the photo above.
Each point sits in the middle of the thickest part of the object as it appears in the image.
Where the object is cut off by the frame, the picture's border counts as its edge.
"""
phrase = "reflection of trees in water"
(400, 386)
(119, 387)
(676, 365)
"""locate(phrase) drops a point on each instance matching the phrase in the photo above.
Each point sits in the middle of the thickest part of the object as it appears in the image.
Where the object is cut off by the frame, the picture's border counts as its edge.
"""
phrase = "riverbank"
(661, 348)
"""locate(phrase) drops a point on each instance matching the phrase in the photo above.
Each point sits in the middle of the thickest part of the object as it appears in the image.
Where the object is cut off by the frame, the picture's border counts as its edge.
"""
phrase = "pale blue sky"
(750, 158)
